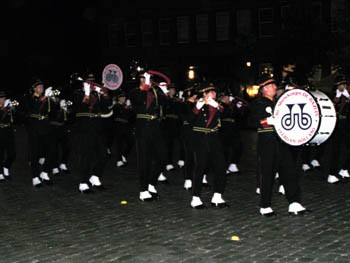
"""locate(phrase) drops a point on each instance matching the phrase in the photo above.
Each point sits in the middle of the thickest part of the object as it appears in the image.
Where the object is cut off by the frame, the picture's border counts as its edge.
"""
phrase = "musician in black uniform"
(207, 147)
(91, 104)
(273, 154)
(340, 139)
(61, 120)
(230, 130)
(171, 126)
(148, 102)
(185, 114)
(7, 140)
(37, 107)
(123, 117)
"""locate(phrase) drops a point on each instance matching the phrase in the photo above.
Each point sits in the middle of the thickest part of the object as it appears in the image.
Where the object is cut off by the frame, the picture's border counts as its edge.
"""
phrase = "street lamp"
(191, 73)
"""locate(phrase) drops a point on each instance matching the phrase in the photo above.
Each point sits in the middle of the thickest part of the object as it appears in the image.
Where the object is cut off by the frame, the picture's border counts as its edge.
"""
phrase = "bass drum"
(304, 117)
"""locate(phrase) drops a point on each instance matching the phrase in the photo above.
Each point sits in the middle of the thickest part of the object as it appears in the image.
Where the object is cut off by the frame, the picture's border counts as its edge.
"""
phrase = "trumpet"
(12, 104)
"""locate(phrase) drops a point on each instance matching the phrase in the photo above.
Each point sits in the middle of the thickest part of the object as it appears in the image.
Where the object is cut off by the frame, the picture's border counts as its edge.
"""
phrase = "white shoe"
(55, 171)
(2, 177)
(217, 199)
(343, 173)
(6, 171)
(257, 191)
(204, 181)
(63, 167)
(277, 176)
(315, 163)
(181, 163)
(84, 187)
(233, 168)
(267, 211)
(281, 190)
(169, 167)
(152, 189)
(295, 208)
(36, 181)
(124, 159)
(145, 196)
(41, 161)
(95, 181)
(188, 184)
(196, 201)
(120, 163)
(161, 178)
(44, 176)
(332, 179)
(305, 167)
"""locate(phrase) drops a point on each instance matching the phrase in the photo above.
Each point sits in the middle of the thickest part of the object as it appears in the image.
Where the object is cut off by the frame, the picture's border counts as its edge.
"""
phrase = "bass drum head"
(297, 117)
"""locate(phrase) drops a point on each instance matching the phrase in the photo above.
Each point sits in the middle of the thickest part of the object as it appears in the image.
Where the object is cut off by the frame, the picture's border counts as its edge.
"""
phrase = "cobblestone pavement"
(58, 224)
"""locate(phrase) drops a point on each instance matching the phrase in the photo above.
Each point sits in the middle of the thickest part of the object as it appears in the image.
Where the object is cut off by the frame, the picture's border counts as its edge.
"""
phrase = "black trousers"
(276, 156)
(340, 148)
(124, 139)
(40, 145)
(232, 145)
(186, 141)
(7, 148)
(62, 149)
(208, 156)
(91, 149)
(150, 152)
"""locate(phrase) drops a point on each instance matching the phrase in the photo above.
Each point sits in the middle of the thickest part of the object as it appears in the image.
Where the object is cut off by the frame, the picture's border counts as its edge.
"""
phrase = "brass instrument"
(94, 86)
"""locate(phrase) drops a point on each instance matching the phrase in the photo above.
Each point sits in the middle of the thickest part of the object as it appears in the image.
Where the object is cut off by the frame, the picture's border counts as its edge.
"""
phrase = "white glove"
(346, 93)
(87, 89)
(181, 93)
(231, 98)
(239, 104)
(147, 78)
(270, 120)
(97, 89)
(338, 94)
(212, 103)
(163, 87)
(200, 104)
(128, 103)
(48, 92)
(7, 103)
(63, 105)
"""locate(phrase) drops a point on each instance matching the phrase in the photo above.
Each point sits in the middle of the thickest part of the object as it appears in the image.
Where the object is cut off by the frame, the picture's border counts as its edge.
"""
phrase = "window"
(337, 14)
(222, 26)
(265, 22)
(130, 34)
(244, 21)
(164, 32)
(183, 30)
(147, 33)
(285, 10)
(202, 28)
(115, 35)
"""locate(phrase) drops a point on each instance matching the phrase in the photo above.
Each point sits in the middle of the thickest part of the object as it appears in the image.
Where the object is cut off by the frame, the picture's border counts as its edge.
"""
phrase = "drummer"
(271, 150)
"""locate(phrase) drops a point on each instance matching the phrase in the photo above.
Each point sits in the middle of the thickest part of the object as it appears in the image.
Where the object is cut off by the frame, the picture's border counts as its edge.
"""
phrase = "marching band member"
(7, 145)
(230, 131)
(172, 125)
(37, 107)
(91, 104)
(271, 150)
(123, 128)
(148, 102)
(207, 147)
(340, 139)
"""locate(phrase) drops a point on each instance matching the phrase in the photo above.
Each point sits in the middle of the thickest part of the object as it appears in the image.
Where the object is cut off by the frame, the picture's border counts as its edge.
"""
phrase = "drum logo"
(112, 76)
(296, 117)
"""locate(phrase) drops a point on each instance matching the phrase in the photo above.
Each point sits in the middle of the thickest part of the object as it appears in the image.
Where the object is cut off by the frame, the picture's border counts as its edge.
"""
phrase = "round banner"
(112, 76)
(304, 117)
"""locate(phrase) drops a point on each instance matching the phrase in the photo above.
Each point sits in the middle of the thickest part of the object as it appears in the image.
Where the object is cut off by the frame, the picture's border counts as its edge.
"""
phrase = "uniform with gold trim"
(91, 105)
(148, 102)
(207, 147)
(273, 154)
